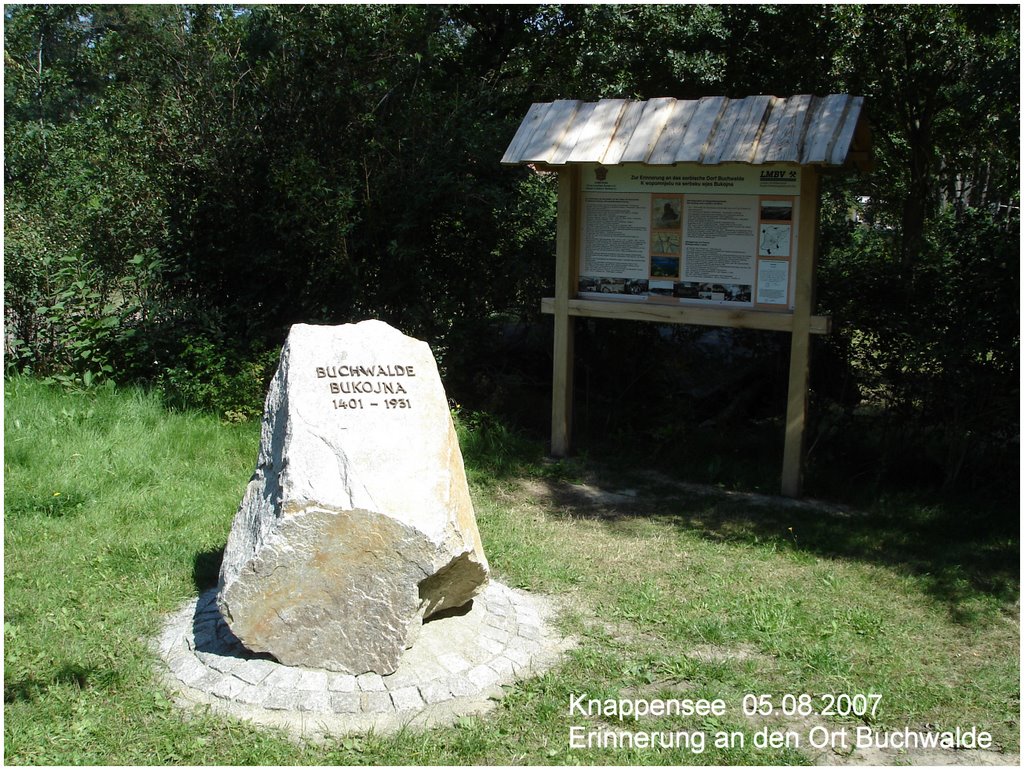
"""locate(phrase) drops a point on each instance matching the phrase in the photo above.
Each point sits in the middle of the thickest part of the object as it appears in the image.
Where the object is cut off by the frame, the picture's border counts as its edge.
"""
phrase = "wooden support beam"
(685, 314)
(800, 323)
(800, 347)
(565, 272)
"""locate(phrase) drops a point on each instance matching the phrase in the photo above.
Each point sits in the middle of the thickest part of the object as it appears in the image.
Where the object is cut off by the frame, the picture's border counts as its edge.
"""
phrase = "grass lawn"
(116, 511)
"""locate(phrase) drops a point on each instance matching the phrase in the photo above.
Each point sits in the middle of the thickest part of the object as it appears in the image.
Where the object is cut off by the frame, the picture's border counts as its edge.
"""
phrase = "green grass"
(116, 511)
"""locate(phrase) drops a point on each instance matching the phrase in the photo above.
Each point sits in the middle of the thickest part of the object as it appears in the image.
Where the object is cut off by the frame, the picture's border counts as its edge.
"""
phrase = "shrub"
(209, 376)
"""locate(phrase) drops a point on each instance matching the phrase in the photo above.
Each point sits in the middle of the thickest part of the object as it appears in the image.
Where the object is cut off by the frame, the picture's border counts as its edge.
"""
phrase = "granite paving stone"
(283, 678)
(506, 624)
(428, 669)
(228, 688)
(204, 626)
(492, 646)
(346, 702)
(252, 695)
(208, 599)
(280, 700)
(209, 615)
(517, 656)
(404, 677)
(435, 692)
(492, 632)
(312, 680)
(528, 618)
(206, 658)
(371, 682)
(455, 662)
(406, 698)
(208, 681)
(341, 683)
(254, 670)
(178, 664)
(461, 687)
(374, 702)
(482, 676)
(531, 646)
(498, 609)
(218, 646)
(309, 700)
(530, 632)
(475, 652)
(503, 667)
(226, 664)
(195, 672)
(167, 643)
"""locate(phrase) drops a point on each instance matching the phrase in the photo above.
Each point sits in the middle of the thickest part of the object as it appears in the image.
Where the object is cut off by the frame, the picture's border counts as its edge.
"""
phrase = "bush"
(209, 376)
(61, 313)
(931, 349)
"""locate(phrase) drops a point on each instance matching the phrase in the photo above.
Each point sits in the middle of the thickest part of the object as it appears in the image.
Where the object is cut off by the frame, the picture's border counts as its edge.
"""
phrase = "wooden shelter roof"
(806, 130)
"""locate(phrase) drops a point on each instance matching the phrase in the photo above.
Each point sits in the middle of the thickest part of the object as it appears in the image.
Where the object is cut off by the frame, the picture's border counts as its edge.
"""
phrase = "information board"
(706, 235)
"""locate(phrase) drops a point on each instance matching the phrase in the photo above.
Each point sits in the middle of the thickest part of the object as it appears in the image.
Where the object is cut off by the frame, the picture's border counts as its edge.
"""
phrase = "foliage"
(944, 99)
(493, 449)
(947, 366)
(207, 375)
(64, 312)
(184, 182)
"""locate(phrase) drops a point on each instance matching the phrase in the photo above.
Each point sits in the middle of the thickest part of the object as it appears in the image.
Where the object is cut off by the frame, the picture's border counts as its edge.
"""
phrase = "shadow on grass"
(80, 677)
(206, 569)
(965, 550)
(961, 554)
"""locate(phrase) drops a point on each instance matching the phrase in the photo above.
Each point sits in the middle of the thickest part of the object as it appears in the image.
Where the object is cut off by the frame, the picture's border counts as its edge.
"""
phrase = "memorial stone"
(357, 523)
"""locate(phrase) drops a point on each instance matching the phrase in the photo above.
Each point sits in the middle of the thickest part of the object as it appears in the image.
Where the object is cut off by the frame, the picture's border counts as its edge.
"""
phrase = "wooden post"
(565, 270)
(800, 347)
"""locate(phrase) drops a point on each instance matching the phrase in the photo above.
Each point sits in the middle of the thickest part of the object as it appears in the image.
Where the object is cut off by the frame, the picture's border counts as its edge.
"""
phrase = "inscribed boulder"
(357, 523)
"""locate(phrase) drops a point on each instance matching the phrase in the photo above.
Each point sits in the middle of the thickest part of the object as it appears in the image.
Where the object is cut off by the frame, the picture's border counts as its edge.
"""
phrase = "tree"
(942, 82)
(184, 182)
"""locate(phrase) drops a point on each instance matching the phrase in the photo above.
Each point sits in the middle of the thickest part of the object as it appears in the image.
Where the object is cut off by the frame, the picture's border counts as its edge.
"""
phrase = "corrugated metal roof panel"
(802, 129)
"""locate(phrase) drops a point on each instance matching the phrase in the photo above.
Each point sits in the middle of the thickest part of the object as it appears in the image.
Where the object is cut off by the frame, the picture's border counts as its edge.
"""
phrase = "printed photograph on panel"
(713, 292)
(774, 210)
(665, 213)
(664, 267)
(661, 290)
(669, 244)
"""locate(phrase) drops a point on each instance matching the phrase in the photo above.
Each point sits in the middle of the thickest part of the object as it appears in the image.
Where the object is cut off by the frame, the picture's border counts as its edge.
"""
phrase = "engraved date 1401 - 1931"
(358, 403)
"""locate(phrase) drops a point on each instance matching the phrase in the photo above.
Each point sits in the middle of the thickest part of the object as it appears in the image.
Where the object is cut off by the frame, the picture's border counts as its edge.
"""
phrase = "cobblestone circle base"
(456, 667)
